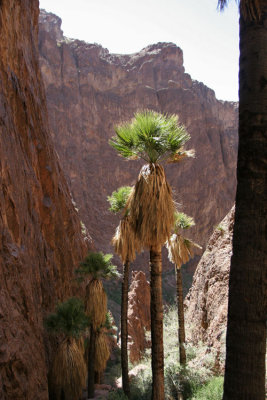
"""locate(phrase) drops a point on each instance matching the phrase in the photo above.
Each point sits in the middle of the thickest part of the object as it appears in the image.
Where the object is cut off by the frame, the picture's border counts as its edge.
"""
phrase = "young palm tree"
(180, 250)
(125, 246)
(246, 326)
(154, 138)
(68, 375)
(98, 266)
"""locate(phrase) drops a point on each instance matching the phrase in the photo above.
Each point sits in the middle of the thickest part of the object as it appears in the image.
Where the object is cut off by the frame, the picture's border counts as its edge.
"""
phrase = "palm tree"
(125, 246)
(98, 266)
(247, 308)
(180, 249)
(68, 373)
(154, 138)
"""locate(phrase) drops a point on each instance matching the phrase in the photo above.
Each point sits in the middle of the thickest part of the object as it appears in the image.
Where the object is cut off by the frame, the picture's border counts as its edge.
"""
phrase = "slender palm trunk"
(156, 323)
(91, 365)
(124, 329)
(246, 328)
(180, 306)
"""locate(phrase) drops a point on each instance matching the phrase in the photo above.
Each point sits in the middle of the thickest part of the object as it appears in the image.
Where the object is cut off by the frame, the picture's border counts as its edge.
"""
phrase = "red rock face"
(138, 316)
(89, 90)
(41, 240)
(207, 301)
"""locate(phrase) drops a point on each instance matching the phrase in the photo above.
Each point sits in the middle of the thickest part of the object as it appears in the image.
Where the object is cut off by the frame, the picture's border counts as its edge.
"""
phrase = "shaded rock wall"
(89, 90)
(138, 316)
(41, 240)
(207, 301)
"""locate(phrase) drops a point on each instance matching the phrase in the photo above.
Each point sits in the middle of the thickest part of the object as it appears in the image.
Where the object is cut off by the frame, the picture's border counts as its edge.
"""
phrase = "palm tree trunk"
(180, 306)
(156, 323)
(124, 329)
(246, 329)
(91, 365)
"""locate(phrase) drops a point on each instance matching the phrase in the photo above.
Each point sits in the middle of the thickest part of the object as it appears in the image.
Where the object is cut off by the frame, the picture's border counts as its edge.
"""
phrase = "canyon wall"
(89, 90)
(138, 316)
(207, 301)
(41, 240)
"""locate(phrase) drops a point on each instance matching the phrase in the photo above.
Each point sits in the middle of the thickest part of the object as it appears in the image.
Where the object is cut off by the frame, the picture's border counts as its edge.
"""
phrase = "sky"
(208, 38)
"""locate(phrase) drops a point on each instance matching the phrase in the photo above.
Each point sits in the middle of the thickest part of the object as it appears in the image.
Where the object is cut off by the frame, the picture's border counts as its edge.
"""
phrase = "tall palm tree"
(98, 266)
(68, 374)
(247, 309)
(125, 245)
(180, 250)
(154, 138)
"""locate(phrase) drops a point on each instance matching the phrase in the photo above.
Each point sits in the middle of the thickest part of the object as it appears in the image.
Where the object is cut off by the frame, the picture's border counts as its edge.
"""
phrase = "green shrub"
(117, 395)
(141, 386)
(183, 380)
(213, 390)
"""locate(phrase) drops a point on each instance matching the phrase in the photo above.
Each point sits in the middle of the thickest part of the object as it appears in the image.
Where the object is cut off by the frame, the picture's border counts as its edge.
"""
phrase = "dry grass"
(68, 371)
(180, 249)
(96, 303)
(124, 241)
(102, 352)
(151, 206)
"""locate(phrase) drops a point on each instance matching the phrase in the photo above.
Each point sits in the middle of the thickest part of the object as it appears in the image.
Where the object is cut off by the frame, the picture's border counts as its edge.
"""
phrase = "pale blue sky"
(208, 38)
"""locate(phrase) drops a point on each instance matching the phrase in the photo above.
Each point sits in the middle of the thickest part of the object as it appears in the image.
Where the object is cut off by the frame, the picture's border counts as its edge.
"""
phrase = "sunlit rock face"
(138, 316)
(89, 90)
(207, 301)
(41, 240)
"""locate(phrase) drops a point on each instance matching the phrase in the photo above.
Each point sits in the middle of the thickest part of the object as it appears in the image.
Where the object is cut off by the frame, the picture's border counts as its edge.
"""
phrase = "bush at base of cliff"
(117, 395)
(213, 390)
(195, 380)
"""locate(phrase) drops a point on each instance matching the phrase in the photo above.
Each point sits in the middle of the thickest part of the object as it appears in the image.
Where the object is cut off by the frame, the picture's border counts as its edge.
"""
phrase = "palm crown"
(152, 137)
(180, 249)
(69, 319)
(98, 265)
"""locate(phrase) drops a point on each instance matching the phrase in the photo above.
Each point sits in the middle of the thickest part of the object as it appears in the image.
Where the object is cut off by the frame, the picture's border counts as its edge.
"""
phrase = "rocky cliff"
(41, 239)
(89, 90)
(207, 301)
(138, 316)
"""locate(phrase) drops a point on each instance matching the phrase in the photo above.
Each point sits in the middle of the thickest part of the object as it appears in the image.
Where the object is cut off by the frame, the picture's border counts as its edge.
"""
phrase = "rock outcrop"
(207, 301)
(138, 316)
(41, 239)
(89, 90)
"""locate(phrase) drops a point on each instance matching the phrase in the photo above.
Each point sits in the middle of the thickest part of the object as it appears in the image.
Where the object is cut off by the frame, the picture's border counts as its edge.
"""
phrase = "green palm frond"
(182, 221)
(118, 199)
(99, 266)
(150, 136)
(68, 319)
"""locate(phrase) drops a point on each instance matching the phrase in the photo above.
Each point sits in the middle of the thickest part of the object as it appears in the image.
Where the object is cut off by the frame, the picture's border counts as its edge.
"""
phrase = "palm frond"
(125, 242)
(68, 372)
(151, 206)
(222, 4)
(98, 265)
(102, 352)
(150, 136)
(96, 303)
(69, 319)
(180, 249)
(181, 155)
(118, 199)
(182, 221)
(250, 9)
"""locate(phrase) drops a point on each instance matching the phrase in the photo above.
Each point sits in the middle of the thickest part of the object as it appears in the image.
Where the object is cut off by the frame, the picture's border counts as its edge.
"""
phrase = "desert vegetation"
(198, 380)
